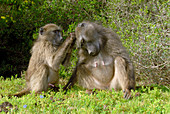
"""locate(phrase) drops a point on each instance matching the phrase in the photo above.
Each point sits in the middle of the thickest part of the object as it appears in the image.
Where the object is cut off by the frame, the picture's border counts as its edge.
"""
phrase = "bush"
(143, 27)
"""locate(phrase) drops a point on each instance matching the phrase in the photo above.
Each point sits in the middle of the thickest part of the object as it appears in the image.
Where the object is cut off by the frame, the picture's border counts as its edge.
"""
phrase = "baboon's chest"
(101, 68)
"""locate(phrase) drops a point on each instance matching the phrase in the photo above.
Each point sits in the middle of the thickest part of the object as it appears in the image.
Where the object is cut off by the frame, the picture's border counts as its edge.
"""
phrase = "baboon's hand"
(72, 36)
(53, 87)
(127, 94)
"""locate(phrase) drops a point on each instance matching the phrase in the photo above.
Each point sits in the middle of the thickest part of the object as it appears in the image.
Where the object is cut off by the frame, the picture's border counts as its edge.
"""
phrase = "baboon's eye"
(89, 42)
(56, 31)
(41, 31)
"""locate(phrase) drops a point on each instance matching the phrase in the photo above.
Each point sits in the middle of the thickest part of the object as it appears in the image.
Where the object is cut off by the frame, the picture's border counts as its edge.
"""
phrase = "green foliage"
(143, 28)
(78, 101)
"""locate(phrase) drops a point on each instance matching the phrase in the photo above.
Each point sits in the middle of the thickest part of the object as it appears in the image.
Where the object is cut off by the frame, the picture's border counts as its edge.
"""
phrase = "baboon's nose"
(62, 40)
(91, 53)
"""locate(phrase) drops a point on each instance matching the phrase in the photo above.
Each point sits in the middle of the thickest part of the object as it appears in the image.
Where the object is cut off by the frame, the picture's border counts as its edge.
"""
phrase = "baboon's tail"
(21, 93)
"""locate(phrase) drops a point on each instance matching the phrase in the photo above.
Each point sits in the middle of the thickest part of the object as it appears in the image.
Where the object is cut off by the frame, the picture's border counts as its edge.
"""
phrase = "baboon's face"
(88, 38)
(52, 33)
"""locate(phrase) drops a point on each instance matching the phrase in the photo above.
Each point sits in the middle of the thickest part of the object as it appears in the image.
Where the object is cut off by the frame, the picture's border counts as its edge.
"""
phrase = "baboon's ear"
(81, 24)
(41, 31)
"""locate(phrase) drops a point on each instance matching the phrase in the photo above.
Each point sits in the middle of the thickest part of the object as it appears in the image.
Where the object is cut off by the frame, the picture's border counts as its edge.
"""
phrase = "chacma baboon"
(103, 62)
(48, 52)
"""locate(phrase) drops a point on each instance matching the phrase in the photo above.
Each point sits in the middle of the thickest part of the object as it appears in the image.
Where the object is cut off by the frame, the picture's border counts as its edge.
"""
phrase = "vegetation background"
(143, 26)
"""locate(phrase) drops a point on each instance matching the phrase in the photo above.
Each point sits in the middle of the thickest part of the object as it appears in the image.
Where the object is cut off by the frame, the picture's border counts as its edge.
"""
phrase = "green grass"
(78, 101)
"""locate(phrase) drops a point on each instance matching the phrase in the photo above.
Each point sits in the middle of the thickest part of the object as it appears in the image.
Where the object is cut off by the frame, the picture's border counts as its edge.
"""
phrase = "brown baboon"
(48, 52)
(103, 62)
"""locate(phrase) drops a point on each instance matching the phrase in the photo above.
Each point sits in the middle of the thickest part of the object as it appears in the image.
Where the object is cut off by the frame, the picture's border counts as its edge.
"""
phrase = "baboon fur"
(103, 62)
(47, 53)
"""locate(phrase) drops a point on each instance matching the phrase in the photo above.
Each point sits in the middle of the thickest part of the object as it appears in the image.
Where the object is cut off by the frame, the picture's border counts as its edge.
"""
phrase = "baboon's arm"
(60, 54)
(72, 80)
(66, 62)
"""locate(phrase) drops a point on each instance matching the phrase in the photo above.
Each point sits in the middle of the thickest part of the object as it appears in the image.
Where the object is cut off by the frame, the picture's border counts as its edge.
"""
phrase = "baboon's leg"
(39, 80)
(53, 76)
(121, 78)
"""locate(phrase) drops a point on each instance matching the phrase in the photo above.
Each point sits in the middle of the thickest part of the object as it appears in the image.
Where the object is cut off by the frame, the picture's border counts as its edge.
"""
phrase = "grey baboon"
(103, 62)
(48, 52)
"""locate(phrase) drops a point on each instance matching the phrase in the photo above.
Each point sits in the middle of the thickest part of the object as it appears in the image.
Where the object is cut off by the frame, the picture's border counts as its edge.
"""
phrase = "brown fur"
(103, 61)
(48, 53)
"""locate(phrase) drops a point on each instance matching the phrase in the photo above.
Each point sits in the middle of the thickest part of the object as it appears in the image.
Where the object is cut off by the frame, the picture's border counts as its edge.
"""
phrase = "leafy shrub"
(143, 28)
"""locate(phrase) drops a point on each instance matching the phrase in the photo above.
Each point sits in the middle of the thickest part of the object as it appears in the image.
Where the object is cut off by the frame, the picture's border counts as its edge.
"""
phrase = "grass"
(78, 101)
